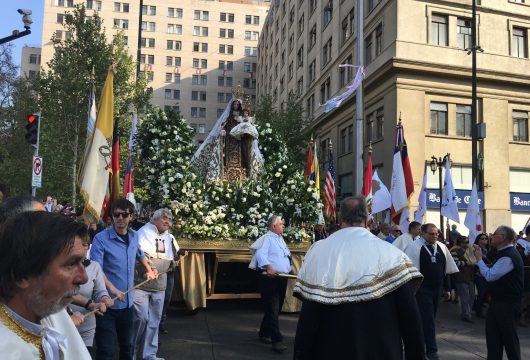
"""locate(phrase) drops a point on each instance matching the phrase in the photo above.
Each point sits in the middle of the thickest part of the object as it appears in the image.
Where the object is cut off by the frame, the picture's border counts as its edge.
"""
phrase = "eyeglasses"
(121, 214)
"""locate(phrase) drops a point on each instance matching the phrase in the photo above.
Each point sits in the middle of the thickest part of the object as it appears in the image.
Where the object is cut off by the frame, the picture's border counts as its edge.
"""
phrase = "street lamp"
(438, 164)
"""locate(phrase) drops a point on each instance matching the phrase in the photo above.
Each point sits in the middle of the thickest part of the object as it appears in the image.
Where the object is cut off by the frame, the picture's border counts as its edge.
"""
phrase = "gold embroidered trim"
(21, 331)
(386, 276)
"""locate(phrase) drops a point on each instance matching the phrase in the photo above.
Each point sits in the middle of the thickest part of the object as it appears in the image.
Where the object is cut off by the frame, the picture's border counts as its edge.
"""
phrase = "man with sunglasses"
(116, 249)
(432, 258)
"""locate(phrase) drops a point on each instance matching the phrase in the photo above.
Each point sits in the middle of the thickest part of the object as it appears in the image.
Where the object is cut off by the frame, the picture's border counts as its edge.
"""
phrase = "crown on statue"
(236, 92)
(247, 103)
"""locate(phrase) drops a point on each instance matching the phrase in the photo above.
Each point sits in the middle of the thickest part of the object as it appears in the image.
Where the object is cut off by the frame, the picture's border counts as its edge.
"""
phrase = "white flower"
(171, 179)
(277, 174)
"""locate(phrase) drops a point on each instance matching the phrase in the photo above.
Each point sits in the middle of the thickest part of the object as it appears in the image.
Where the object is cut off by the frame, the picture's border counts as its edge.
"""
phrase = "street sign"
(36, 179)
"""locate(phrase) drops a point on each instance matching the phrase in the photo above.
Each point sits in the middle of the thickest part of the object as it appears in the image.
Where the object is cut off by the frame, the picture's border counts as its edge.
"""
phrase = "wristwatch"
(88, 304)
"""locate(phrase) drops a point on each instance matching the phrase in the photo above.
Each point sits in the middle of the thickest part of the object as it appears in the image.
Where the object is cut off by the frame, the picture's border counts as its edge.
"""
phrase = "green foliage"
(79, 61)
(289, 123)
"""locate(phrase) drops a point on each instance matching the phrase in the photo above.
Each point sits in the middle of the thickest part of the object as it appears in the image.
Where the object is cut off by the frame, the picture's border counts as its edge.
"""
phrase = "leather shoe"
(279, 347)
(265, 339)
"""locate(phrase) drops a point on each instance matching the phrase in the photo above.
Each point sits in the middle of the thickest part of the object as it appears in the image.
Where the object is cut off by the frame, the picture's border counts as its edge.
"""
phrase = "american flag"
(330, 205)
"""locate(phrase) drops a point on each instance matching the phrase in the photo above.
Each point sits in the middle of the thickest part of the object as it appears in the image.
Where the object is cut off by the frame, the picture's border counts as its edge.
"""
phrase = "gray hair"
(508, 232)
(272, 220)
(161, 213)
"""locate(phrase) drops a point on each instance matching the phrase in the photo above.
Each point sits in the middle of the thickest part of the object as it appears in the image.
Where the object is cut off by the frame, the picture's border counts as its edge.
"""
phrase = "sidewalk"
(228, 330)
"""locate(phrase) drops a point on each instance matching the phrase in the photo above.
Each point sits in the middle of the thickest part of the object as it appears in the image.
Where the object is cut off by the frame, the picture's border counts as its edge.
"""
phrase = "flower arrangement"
(222, 210)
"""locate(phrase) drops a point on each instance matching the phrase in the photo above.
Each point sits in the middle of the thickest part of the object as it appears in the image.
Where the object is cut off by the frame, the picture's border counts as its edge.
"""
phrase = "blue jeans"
(167, 296)
(147, 313)
(115, 322)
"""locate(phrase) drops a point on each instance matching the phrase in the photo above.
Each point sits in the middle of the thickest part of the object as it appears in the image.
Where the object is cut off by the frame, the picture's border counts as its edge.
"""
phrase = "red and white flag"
(198, 71)
(330, 203)
(150, 67)
(177, 70)
(250, 75)
(402, 185)
(367, 181)
(224, 72)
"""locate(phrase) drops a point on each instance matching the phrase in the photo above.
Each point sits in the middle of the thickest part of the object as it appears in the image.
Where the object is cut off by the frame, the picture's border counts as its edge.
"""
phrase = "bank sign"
(462, 199)
(520, 202)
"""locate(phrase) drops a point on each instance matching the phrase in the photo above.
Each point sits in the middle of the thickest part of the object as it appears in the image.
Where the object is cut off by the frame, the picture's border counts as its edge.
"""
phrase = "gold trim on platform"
(231, 245)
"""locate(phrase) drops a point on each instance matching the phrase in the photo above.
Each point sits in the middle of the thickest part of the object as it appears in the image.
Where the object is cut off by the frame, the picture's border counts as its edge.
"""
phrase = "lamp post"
(438, 164)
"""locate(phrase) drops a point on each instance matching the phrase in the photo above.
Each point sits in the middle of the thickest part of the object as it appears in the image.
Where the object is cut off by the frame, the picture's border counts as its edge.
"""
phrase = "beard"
(44, 306)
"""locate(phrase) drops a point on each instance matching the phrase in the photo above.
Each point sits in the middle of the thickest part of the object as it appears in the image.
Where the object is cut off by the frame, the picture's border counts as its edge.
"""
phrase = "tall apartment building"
(192, 51)
(30, 61)
(417, 68)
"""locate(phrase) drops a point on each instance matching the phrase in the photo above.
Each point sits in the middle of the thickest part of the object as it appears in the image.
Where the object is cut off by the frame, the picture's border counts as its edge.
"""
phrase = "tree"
(78, 62)
(16, 101)
(289, 123)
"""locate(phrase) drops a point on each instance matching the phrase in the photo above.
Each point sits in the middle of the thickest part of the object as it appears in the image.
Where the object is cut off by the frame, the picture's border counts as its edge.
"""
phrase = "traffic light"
(32, 128)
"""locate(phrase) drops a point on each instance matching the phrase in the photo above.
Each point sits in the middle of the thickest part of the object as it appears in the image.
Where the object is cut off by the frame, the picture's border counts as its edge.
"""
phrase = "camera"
(26, 19)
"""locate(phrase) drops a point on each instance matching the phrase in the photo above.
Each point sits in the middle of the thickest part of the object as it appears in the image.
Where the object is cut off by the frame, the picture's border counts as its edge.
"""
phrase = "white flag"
(422, 200)
(448, 198)
(404, 221)
(473, 219)
(398, 187)
(381, 199)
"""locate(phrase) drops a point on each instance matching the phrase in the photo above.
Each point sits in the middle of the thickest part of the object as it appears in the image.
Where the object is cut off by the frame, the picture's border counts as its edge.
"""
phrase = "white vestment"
(414, 249)
(403, 241)
(62, 323)
(352, 265)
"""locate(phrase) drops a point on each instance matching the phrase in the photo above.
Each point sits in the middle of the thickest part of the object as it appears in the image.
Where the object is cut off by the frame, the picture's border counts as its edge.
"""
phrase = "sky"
(11, 20)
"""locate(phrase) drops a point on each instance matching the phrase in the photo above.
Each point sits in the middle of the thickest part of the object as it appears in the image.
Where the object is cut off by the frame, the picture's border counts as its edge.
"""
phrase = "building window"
(325, 90)
(199, 80)
(326, 52)
(312, 71)
(89, 4)
(170, 94)
(312, 6)
(200, 31)
(300, 57)
(60, 18)
(520, 126)
(201, 15)
(301, 22)
(372, 4)
(33, 58)
(519, 45)
(310, 105)
(464, 33)
(378, 39)
(368, 56)
(327, 14)
(174, 29)
(300, 86)
(346, 72)
(198, 95)
(346, 183)
(202, 127)
(32, 74)
(226, 17)
(438, 118)
(439, 29)
(174, 12)
(171, 44)
(463, 120)
(313, 36)
(347, 26)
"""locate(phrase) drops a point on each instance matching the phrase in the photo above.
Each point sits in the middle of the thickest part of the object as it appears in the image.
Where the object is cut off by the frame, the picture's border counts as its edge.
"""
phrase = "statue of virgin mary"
(222, 155)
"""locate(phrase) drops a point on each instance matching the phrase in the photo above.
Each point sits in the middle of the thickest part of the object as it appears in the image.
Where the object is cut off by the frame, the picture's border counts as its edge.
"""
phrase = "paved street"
(228, 330)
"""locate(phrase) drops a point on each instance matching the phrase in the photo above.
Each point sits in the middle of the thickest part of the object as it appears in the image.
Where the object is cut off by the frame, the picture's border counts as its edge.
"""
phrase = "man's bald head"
(353, 211)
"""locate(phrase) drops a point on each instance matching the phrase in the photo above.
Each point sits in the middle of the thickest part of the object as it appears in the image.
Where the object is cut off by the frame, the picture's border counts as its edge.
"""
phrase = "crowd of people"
(68, 290)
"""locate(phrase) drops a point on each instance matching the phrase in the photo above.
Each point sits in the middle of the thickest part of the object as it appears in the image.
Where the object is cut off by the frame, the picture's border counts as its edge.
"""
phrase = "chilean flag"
(402, 185)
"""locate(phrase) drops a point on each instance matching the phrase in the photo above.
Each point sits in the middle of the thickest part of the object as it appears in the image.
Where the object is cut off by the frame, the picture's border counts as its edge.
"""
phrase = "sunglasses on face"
(120, 214)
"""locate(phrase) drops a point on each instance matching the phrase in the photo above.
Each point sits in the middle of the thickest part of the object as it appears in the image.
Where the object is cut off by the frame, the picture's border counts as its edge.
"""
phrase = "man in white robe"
(358, 296)
(41, 268)
(406, 239)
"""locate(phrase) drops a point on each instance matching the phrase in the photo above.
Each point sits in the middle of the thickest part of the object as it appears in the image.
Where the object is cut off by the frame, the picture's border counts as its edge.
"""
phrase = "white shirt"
(147, 240)
(403, 241)
(274, 251)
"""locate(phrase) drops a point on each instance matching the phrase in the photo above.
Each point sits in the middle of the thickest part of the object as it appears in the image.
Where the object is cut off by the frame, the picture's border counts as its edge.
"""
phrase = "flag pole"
(359, 146)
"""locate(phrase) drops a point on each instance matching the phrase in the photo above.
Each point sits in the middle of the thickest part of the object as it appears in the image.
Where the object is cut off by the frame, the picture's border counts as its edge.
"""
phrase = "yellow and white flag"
(95, 176)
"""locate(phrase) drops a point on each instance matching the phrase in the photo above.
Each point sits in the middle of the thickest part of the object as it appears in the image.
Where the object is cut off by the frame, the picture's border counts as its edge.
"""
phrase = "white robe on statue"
(414, 249)
(353, 265)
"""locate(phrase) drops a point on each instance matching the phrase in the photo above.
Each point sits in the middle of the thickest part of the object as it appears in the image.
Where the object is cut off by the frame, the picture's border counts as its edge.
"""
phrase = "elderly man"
(358, 296)
(384, 231)
(273, 258)
(59, 321)
(406, 239)
(116, 250)
(432, 258)
(505, 282)
(41, 269)
(160, 248)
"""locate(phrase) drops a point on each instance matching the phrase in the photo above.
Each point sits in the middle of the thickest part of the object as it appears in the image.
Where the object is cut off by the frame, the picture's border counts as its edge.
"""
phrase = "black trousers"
(428, 299)
(501, 329)
(272, 296)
